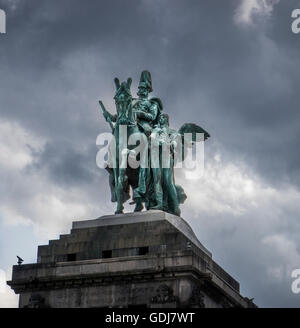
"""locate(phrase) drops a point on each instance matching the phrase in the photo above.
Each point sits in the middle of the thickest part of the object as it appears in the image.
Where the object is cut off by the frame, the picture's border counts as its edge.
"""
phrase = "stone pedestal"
(149, 259)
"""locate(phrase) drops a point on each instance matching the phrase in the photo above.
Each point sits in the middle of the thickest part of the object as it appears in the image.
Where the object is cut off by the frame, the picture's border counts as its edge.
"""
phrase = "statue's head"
(163, 120)
(123, 94)
(145, 85)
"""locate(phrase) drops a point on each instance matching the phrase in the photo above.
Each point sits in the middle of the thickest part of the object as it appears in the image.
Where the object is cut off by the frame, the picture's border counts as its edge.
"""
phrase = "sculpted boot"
(138, 205)
(159, 201)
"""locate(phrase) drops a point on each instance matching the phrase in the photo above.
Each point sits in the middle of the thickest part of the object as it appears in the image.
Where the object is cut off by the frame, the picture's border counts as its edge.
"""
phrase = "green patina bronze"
(153, 186)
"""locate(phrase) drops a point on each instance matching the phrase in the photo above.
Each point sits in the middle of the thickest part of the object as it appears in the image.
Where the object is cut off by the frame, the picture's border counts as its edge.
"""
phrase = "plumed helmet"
(146, 81)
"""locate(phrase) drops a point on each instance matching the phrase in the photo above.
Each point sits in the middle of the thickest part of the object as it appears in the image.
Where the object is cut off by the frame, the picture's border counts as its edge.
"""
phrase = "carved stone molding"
(197, 298)
(36, 301)
(164, 294)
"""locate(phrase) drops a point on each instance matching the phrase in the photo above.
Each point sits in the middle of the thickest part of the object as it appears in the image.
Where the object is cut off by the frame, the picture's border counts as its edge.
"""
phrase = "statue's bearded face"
(143, 92)
(163, 121)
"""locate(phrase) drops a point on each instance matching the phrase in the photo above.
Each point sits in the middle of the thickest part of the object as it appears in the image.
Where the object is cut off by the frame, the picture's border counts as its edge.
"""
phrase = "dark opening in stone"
(143, 250)
(107, 254)
(71, 257)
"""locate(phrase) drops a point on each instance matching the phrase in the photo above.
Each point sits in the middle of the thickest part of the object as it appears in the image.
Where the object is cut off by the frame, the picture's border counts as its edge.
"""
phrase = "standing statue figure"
(164, 140)
(146, 112)
(152, 181)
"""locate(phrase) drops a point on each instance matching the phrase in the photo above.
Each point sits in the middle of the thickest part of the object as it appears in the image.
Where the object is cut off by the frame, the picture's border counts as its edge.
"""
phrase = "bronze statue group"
(159, 148)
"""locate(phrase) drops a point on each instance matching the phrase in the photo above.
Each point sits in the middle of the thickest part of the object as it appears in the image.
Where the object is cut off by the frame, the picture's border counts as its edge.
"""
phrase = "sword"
(106, 115)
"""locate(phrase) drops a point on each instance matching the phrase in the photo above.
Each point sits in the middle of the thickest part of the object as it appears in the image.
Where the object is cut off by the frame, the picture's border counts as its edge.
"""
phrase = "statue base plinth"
(149, 259)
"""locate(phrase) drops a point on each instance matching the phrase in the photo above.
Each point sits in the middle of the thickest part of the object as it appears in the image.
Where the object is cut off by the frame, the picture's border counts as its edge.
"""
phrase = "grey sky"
(213, 63)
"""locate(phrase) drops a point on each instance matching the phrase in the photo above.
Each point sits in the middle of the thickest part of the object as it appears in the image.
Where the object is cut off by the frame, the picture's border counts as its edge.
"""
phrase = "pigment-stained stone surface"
(149, 259)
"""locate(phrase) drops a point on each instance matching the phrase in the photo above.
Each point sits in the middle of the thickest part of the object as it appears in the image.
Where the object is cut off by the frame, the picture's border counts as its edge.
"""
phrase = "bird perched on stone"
(20, 261)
